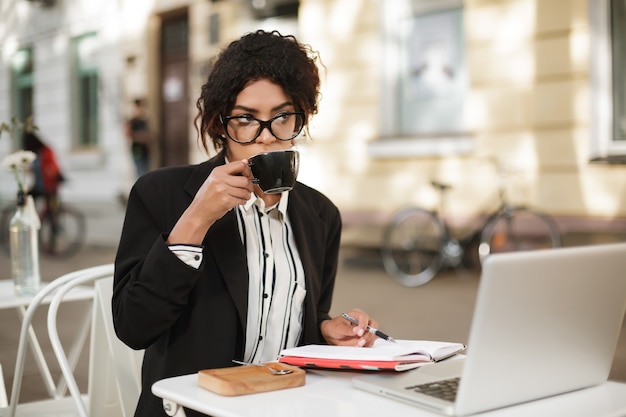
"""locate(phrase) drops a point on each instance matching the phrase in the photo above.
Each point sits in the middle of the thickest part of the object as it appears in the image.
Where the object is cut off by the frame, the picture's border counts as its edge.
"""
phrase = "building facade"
(413, 90)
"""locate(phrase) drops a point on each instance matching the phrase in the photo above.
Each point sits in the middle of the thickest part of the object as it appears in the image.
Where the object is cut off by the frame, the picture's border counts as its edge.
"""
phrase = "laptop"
(545, 323)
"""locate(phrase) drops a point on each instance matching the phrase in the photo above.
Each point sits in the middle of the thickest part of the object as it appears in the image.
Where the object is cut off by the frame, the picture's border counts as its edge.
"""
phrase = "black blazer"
(187, 319)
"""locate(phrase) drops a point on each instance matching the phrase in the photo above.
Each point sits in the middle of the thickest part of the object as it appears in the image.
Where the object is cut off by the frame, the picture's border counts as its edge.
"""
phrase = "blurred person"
(210, 269)
(47, 181)
(139, 137)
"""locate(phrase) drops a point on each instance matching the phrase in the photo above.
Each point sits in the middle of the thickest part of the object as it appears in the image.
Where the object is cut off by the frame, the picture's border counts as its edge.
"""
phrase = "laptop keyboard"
(445, 390)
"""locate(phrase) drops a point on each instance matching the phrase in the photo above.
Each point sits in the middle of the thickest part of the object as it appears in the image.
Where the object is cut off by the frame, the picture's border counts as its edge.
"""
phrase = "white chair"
(110, 353)
(114, 378)
(59, 404)
(114, 369)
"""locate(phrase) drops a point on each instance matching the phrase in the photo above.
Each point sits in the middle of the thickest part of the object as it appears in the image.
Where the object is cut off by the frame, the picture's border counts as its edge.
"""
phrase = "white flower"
(19, 159)
(18, 162)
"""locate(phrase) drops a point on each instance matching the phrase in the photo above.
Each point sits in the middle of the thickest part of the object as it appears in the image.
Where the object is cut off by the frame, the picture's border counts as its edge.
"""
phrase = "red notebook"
(383, 356)
(350, 365)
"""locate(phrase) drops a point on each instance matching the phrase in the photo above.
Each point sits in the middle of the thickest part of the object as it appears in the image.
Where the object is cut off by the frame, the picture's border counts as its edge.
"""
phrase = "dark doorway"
(174, 91)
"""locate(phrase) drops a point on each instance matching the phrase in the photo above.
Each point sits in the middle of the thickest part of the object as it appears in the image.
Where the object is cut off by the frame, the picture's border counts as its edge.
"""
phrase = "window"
(608, 79)
(431, 81)
(85, 86)
(425, 79)
(22, 70)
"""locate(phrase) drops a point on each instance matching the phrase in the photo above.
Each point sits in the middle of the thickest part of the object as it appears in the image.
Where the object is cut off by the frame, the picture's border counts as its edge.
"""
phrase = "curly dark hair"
(257, 55)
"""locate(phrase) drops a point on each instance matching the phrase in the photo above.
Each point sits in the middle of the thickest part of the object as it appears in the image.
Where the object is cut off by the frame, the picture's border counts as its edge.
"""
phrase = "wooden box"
(249, 379)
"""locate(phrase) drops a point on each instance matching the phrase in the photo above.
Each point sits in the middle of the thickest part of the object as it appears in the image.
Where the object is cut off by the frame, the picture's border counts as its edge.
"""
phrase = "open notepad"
(383, 356)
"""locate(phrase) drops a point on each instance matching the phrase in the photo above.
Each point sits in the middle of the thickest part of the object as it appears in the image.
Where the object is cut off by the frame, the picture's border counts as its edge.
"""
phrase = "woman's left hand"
(340, 331)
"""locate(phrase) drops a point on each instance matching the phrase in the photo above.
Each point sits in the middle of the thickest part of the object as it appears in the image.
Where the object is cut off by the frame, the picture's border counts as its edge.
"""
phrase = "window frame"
(85, 83)
(603, 145)
(392, 143)
(23, 85)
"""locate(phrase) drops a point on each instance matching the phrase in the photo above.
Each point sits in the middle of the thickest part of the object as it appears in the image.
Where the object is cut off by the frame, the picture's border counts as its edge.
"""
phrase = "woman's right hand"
(226, 187)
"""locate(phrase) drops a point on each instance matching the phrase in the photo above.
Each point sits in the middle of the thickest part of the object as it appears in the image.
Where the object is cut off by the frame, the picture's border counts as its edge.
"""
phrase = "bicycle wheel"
(518, 229)
(412, 245)
(64, 235)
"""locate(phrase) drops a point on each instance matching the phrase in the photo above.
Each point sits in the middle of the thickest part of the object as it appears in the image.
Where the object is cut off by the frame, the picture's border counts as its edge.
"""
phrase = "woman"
(211, 269)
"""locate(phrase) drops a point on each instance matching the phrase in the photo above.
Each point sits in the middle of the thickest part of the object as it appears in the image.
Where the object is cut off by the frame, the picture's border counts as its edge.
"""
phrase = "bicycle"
(62, 233)
(418, 242)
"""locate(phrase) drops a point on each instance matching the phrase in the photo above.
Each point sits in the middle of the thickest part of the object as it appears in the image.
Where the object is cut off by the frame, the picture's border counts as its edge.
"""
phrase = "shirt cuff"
(189, 254)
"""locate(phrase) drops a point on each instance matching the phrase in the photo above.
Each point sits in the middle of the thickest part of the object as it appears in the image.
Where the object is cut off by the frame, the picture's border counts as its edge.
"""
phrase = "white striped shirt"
(275, 299)
(276, 279)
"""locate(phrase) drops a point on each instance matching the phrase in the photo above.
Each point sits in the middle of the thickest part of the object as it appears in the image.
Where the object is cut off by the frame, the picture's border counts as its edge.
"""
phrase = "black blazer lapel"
(222, 237)
(309, 236)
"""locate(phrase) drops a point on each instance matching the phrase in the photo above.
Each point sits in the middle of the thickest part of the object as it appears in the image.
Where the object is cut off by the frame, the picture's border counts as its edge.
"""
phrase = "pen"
(369, 328)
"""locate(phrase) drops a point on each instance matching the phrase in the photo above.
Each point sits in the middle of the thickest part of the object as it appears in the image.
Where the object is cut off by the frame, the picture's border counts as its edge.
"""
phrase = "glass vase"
(23, 236)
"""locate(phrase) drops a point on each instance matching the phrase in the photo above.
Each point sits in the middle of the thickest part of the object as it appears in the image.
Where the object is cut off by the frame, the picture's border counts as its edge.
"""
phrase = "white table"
(8, 300)
(330, 394)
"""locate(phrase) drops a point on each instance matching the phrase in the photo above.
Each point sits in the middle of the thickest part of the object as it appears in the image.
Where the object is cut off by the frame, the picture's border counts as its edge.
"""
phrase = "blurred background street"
(439, 310)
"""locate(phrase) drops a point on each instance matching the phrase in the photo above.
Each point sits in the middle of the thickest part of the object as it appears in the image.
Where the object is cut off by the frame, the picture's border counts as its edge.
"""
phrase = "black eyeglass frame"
(262, 125)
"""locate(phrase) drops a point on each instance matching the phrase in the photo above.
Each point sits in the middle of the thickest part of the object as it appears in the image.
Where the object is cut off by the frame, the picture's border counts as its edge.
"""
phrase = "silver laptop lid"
(545, 323)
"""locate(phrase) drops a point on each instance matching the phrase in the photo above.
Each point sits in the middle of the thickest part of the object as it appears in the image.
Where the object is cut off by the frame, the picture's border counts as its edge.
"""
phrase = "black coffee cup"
(275, 171)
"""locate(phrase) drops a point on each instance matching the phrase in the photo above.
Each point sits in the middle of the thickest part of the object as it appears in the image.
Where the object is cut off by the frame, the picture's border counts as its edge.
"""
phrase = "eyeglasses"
(245, 128)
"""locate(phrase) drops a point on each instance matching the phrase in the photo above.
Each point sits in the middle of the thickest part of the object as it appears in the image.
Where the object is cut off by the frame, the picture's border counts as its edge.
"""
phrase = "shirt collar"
(281, 205)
